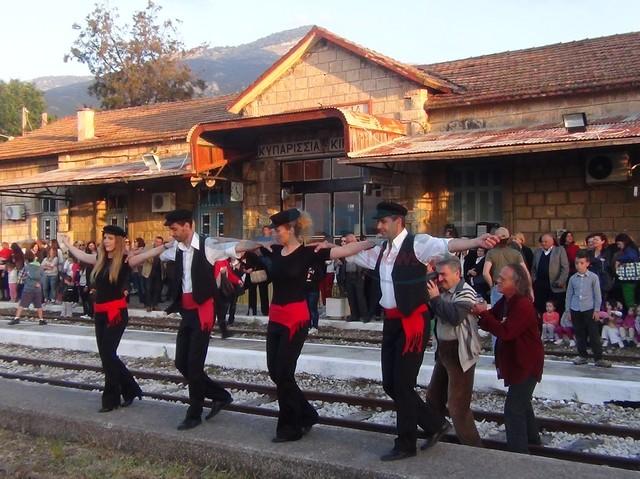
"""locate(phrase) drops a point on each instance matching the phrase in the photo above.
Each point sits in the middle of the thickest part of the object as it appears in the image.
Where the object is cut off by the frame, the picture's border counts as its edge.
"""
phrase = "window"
(47, 229)
(317, 170)
(293, 171)
(49, 205)
(212, 196)
(220, 220)
(369, 204)
(346, 210)
(116, 202)
(205, 227)
(318, 205)
(476, 196)
(345, 171)
(293, 201)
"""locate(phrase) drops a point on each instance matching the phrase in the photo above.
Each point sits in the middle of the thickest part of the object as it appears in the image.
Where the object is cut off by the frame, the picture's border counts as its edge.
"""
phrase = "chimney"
(86, 129)
(44, 119)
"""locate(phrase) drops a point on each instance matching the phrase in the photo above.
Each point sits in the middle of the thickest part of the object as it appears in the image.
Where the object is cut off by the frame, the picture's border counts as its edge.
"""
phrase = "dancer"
(194, 287)
(110, 278)
(400, 267)
(288, 325)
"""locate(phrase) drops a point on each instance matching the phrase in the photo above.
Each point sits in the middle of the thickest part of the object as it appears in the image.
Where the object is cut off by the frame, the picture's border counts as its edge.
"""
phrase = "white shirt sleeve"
(214, 250)
(169, 254)
(367, 258)
(428, 247)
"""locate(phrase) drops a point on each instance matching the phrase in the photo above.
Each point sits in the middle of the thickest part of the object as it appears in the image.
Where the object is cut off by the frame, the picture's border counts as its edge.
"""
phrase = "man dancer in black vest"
(194, 288)
(400, 266)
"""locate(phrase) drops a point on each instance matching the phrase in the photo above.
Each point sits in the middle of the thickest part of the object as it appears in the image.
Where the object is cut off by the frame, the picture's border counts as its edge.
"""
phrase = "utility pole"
(25, 119)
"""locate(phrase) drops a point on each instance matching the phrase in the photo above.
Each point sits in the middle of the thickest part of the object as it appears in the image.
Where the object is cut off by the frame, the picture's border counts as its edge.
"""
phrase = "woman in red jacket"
(519, 353)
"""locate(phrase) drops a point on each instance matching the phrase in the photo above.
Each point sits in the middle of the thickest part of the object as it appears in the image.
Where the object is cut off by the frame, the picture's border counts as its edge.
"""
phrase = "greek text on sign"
(301, 147)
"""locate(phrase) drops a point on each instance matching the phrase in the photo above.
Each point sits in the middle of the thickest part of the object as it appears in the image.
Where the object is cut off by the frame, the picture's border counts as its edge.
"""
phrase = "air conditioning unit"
(15, 212)
(163, 202)
(607, 167)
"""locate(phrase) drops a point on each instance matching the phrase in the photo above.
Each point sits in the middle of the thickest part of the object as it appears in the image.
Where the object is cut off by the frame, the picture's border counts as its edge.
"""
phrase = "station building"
(542, 139)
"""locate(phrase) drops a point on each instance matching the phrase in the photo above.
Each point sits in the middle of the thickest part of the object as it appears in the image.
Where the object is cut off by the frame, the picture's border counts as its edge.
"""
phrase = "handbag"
(226, 286)
(628, 271)
(259, 276)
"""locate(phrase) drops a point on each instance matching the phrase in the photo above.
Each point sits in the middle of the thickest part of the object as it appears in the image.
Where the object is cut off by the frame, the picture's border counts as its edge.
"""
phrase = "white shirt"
(213, 250)
(426, 248)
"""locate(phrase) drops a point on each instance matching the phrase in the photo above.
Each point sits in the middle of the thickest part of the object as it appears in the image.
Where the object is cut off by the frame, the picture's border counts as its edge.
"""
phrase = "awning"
(361, 131)
(484, 143)
(117, 173)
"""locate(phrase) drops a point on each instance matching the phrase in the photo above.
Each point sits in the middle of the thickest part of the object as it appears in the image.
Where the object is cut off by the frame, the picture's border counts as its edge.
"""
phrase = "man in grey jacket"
(549, 273)
(458, 349)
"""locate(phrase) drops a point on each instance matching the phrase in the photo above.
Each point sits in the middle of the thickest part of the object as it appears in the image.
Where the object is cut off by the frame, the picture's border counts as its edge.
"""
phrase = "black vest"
(409, 277)
(203, 281)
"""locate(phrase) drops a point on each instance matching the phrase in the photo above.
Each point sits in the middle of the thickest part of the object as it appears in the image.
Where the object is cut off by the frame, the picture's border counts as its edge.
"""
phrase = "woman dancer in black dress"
(288, 324)
(110, 279)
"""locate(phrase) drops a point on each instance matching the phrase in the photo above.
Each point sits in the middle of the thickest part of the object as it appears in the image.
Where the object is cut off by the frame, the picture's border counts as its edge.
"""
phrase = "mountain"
(224, 69)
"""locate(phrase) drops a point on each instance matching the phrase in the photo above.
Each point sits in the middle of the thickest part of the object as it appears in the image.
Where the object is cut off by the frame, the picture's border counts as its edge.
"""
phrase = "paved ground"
(242, 443)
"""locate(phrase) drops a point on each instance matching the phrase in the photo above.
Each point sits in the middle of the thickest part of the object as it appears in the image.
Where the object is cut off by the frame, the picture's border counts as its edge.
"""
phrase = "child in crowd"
(564, 332)
(12, 277)
(550, 321)
(628, 328)
(69, 297)
(610, 332)
(583, 302)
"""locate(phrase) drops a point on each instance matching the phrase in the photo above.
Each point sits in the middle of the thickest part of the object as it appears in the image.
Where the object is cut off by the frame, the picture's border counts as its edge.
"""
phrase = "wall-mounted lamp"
(194, 180)
(574, 122)
(210, 182)
(151, 161)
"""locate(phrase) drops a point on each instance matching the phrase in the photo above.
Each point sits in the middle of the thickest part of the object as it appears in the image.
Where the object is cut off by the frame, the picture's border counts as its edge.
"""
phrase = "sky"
(419, 32)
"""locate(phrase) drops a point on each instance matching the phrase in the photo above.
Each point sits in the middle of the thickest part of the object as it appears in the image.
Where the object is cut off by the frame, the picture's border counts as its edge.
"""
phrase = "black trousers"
(191, 350)
(282, 357)
(584, 326)
(85, 298)
(399, 377)
(519, 421)
(264, 298)
(152, 290)
(354, 284)
(118, 381)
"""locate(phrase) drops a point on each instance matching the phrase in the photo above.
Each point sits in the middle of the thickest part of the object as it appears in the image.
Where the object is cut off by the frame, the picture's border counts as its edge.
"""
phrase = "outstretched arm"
(350, 249)
(78, 253)
(139, 258)
(486, 241)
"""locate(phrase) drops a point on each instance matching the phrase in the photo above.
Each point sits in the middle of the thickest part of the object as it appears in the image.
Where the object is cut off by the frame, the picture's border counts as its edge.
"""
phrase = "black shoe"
(42, 322)
(128, 402)
(286, 438)
(14, 321)
(189, 423)
(218, 406)
(226, 334)
(396, 455)
(435, 437)
(108, 408)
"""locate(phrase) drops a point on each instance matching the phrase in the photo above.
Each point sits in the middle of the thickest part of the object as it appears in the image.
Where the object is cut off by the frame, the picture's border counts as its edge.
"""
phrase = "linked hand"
(432, 289)
(478, 308)
(322, 245)
(487, 241)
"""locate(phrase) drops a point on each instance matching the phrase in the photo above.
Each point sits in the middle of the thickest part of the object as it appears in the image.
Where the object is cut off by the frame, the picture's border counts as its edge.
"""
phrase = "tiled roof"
(454, 144)
(127, 126)
(563, 68)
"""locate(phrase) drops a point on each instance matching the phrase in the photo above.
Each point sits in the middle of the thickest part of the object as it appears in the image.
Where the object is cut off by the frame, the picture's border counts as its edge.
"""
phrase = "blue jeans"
(312, 302)
(50, 287)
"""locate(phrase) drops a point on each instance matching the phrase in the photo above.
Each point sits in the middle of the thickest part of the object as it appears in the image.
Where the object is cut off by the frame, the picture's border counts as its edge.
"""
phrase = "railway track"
(172, 325)
(548, 424)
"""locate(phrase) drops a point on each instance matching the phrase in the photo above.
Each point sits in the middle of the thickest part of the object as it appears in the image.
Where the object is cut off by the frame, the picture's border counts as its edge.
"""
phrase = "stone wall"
(542, 111)
(330, 75)
(553, 195)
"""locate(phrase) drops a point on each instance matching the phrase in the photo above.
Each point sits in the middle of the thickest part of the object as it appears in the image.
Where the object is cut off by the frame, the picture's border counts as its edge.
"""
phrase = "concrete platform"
(242, 443)
(561, 379)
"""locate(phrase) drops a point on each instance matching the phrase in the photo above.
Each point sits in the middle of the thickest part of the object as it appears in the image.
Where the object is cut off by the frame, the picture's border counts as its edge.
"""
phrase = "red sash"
(412, 325)
(112, 308)
(293, 315)
(205, 311)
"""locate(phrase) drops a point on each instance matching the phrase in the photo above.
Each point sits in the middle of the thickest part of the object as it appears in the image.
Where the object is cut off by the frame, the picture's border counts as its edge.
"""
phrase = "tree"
(134, 65)
(13, 97)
